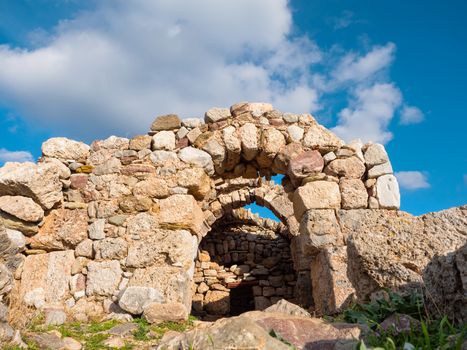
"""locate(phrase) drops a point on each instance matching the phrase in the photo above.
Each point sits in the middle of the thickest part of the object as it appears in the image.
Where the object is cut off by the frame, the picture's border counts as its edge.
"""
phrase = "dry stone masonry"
(244, 264)
(114, 229)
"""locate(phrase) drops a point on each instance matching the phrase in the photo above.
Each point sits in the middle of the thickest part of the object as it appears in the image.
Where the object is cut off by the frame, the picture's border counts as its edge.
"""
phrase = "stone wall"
(113, 227)
(243, 251)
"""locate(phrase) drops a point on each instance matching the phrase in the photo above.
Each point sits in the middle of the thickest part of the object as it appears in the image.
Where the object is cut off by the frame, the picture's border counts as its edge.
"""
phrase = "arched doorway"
(244, 263)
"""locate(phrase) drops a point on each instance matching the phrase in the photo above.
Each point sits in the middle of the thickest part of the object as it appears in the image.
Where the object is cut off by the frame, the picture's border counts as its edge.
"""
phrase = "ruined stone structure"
(114, 228)
(244, 264)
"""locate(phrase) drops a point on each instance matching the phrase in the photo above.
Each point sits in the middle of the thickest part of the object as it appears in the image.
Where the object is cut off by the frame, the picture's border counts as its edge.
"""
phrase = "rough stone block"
(181, 212)
(316, 195)
(354, 193)
(332, 290)
(103, 277)
(319, 229)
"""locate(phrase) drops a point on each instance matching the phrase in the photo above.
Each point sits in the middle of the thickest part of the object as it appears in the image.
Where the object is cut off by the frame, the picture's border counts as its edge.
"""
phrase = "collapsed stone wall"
(247, 252)
(114, 228)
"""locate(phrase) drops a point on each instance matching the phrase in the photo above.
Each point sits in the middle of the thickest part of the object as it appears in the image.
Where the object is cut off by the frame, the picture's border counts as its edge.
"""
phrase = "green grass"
(426, 334)
(141, 333)
(95, 341)
(93, 335)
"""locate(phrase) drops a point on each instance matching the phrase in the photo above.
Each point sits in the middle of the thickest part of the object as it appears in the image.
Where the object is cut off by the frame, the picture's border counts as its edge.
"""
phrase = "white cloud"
(411, 115)
(354, 68)
(15, 156)
(115, 68)
(369, 114)
(412, 180)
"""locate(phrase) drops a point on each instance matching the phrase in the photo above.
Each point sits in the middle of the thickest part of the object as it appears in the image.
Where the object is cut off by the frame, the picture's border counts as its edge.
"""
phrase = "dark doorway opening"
(241, 298)
(245, 263)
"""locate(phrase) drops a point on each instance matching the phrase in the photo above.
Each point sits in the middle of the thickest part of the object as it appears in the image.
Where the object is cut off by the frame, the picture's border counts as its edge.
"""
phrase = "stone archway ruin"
(114, 228)
(243, 264)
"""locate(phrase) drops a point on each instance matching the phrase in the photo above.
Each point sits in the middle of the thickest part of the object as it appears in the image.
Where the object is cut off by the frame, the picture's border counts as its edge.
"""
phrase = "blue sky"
(391, 72)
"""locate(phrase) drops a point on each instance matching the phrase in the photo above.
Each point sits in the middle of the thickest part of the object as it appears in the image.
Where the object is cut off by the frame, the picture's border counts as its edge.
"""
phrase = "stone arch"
(244, 263)
(119, 222)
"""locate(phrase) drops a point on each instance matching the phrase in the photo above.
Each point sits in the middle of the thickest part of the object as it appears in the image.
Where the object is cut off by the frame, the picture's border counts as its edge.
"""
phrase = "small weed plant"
(425, 333)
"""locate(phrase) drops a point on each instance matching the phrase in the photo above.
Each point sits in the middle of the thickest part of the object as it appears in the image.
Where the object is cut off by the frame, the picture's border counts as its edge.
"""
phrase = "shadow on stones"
(445, 287)
(242, 266)
(442, 284)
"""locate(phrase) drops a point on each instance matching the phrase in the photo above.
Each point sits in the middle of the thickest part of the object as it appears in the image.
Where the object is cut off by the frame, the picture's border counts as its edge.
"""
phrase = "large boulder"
(151, 187)
(44, 279)
(391, 249)
(272, 142)
(226, 333)
(62, 228)
(40, 182)
(22, 208)
(267, 330)
(65, 149)
(233, 147)
(288, 308)
(163, 140)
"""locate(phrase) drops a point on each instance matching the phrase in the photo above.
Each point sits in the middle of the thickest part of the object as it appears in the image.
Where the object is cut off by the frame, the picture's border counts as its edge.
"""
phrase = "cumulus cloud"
(356, 68)
(114, 68)
(411, 115)
(369, 113)
(412, 180)
(15, 156)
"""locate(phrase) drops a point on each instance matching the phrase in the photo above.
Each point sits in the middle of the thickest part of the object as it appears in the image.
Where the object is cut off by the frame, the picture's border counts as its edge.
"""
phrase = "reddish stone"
(218, 125)
(276, 122)
(182, 143)
(78, 181)
(305, 164)
(310, 333)
(138, 168)
(89, 195)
